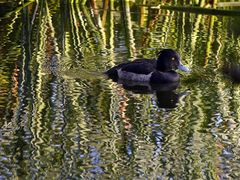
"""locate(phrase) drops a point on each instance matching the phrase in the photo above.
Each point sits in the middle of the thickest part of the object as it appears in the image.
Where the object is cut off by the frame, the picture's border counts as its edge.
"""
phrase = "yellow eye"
(173, 58)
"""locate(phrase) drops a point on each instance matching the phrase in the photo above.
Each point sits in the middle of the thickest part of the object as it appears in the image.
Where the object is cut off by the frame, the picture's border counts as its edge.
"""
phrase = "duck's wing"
(140, 67)
(132, 66)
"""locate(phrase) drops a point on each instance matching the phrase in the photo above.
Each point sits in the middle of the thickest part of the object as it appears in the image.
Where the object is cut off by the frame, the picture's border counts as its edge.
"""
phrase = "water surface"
(60, 117)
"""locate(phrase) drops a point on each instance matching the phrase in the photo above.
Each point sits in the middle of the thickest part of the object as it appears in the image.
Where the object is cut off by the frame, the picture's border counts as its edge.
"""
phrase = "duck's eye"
(173, 58)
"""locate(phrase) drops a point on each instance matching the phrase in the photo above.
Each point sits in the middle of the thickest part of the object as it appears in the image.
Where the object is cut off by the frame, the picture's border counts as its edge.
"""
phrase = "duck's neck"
(163, 67)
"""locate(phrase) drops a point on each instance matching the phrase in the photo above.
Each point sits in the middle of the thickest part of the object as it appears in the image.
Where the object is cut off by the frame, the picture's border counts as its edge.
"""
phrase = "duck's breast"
(164, 77)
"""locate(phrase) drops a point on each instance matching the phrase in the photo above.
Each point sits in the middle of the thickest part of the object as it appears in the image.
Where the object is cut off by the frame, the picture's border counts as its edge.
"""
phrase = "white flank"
(133, 77)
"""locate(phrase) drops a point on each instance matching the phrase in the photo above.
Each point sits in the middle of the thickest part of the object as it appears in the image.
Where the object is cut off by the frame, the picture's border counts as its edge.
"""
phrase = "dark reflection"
(232, 71)
(166, 95)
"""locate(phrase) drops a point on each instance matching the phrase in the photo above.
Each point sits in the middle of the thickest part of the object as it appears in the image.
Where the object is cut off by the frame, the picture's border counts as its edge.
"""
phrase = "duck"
(160, 70)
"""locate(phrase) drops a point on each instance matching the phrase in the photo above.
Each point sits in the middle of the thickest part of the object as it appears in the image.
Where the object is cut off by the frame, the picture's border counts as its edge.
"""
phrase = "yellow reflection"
(209, 40)
(130, 37)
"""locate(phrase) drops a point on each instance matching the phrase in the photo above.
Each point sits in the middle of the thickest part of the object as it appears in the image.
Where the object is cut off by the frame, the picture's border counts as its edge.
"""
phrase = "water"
(61, 118)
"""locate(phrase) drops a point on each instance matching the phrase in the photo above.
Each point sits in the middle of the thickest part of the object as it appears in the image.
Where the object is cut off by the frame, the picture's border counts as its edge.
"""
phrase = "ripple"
(60, 117)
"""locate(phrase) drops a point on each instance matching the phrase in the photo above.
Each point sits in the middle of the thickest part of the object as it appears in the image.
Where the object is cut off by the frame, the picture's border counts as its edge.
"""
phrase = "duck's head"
(168, 60)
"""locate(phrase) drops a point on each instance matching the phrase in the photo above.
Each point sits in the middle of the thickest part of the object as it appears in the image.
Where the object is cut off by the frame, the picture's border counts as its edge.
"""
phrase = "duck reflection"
(232, 71)
(166, 95)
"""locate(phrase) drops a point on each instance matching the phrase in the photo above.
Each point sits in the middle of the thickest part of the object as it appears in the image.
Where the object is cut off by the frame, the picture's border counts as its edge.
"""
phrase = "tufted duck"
(161, 70)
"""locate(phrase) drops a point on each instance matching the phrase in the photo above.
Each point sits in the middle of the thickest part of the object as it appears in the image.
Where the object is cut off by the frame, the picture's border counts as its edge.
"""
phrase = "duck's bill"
(183, 68)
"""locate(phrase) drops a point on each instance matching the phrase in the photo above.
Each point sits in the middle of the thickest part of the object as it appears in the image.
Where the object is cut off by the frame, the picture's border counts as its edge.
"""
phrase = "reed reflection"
(57, 124)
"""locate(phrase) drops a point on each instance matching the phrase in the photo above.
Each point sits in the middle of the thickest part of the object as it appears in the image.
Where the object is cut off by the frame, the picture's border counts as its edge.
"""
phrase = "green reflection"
(60, 117)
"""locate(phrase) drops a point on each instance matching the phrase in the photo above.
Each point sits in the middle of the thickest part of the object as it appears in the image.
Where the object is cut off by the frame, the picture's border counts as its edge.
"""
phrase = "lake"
(62, 118)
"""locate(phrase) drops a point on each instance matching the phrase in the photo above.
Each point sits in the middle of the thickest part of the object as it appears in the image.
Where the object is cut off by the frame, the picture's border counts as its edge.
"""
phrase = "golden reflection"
(82, 124)
(75, 31)
(196, 31)
(166, 27)
(75, 92)
(11, 25)
(142, 14)
(152, 24)
(93, 29)
(128, 21)
(209, 40)
(220, 46)
(66, 52)
(105, 11)
(47, 58)
(99, 23)
(37, 125)
(111, 30)
(111, 27)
